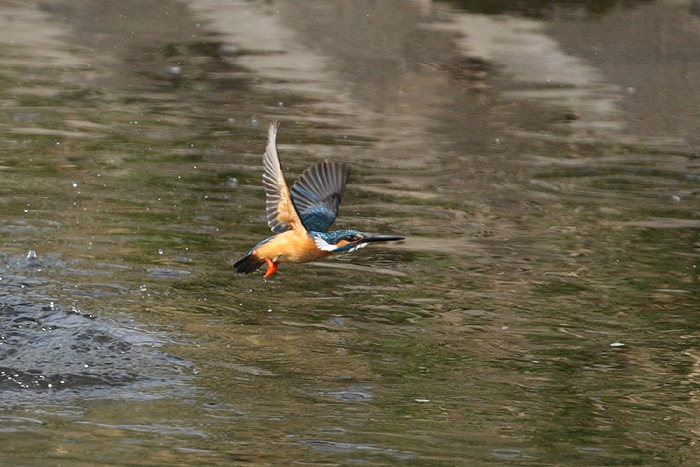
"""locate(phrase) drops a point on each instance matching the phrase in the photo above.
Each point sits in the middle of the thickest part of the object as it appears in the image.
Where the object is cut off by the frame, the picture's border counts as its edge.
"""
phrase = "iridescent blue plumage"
(347, 240)
(317, 194)
(332, 241)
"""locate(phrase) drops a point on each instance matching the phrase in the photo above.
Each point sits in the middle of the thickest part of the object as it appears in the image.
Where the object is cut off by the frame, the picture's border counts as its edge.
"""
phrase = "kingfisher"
(301, 217)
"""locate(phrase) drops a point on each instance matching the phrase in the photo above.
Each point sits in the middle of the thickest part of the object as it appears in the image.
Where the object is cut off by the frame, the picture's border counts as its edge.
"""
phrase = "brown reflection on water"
(542, 308)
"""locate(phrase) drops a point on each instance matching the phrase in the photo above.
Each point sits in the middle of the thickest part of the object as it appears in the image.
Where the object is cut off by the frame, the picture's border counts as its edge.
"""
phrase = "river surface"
(541, 158)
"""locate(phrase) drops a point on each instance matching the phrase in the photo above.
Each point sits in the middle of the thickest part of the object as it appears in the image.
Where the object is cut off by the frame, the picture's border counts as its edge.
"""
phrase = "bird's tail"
(248, 264)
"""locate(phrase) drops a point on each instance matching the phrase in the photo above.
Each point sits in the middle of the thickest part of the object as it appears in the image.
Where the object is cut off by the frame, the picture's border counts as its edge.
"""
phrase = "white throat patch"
(324, 245)
(357, 247)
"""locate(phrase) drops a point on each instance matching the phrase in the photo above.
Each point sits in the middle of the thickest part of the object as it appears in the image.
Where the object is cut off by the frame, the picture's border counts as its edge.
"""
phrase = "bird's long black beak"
(380, 238)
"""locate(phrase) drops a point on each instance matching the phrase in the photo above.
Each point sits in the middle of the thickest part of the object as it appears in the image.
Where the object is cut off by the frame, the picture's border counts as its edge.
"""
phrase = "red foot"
(271, 268)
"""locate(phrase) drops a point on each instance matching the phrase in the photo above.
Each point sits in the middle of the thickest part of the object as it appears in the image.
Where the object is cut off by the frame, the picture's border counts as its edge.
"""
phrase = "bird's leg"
(271, 268)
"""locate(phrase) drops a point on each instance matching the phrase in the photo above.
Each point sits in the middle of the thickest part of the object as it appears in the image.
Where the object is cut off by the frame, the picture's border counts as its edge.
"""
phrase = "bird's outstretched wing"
(281, 214)
(317, 194)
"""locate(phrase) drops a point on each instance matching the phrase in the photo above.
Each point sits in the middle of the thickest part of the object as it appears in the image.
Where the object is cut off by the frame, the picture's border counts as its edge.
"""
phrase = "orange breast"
(291, 247)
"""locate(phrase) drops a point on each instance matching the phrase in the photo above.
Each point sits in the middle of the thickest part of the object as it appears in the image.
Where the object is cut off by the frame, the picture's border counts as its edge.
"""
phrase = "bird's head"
(348, 240)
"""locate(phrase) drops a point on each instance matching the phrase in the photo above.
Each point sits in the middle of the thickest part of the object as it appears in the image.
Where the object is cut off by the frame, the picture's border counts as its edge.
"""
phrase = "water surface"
(542, 161)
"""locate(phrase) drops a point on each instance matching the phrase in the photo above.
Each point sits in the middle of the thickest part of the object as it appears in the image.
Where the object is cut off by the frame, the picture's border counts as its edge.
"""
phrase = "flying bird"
(301, 217)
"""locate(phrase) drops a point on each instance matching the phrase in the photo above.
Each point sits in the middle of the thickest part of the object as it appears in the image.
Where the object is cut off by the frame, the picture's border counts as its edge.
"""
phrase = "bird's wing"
(317, 194)
(281, 214)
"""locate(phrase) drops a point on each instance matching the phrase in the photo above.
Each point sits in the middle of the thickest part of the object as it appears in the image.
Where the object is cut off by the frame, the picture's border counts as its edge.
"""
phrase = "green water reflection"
(542, 310)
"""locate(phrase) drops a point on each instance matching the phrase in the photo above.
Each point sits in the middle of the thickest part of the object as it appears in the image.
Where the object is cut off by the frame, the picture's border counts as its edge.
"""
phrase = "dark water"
(542, 159)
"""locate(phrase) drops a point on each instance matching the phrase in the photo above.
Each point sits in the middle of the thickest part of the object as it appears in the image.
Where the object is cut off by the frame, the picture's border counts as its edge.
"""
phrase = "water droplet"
(31, 255)
(160, 251)
(75, 184)
(228, 49)
(233, 182)
(675, 198)
(269, 309)
(143, 288)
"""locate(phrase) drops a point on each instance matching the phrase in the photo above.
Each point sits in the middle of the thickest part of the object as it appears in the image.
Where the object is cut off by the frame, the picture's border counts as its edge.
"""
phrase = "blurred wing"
(317, 194)
(281, 214)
